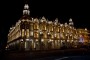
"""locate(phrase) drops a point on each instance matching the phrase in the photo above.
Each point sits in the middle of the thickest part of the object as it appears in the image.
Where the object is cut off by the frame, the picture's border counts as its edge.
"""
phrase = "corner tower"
(26, 13)
(26, 10)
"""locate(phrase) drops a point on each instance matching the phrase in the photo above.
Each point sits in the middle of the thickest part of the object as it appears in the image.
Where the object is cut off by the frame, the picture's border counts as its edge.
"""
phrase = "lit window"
(27, 39)
(61, 35)
(36, 26)
(45, 27)
(58, 29)
(63, 30)
(21, 40)
(58, 36)
(36, 35)
(79, 31)
(52, 28)
(55, 35)
(27, 32)
(36, 39)
(67, 40)
(31, 33)
(42, 40)
(23, 32)
(31, 26)
(45, 35)
(52, 36)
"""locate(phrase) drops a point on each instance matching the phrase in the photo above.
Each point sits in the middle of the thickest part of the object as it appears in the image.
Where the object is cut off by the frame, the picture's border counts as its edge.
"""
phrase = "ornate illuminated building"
(42, 34)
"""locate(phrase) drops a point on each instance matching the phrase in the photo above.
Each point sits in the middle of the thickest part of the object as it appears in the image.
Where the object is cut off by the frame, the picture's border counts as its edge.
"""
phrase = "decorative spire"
(26, 6)
(85, 29)
(26, 10)
(43, 18)
(56, 20)
(71, 22)
(66, 24)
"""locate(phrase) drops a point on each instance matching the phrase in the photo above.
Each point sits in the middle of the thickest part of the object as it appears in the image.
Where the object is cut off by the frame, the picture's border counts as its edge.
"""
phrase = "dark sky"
(11, 12)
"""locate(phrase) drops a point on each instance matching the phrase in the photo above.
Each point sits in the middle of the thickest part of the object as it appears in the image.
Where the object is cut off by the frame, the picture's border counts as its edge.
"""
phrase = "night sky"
(11, 12)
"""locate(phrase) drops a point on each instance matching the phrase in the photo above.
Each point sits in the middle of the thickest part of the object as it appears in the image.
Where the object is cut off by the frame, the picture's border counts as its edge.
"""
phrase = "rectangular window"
(36, 35)
(31, 33)
(36, 26)
(58, 36)
(23, 32)
(31, 26)
(45, 35)
(45, 27)
(27, 33)
(52, 35)
(52, 28)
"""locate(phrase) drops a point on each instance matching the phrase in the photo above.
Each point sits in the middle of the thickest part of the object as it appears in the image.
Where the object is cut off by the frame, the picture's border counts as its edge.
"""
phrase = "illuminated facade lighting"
(38, 34)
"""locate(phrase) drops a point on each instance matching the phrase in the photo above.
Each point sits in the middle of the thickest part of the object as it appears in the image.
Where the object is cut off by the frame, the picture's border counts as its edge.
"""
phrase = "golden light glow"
(38, 33)
(27, 34)
(23, 32)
